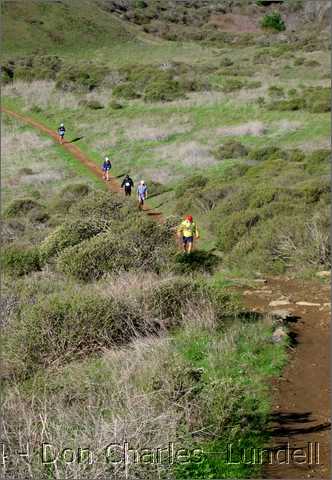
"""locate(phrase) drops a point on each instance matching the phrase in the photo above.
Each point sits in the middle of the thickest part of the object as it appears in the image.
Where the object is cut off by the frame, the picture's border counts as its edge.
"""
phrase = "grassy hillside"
(36, 26)
(111, 334)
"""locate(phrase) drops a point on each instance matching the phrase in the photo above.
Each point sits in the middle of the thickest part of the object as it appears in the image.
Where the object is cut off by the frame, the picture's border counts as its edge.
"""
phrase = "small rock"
(278, 335)
(282, 314)
(248, 292)
(324, 274)
(260, 280)
(279, 303)
(308, 304)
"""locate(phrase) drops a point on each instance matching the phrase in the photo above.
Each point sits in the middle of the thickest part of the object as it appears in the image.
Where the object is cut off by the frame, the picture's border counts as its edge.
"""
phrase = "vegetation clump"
(230, 149)
(20, 259)
(20, 206)
(273, 21)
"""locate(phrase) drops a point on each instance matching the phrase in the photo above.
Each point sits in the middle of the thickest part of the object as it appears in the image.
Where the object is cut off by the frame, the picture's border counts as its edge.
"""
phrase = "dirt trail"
(113, 185)
(301, 413)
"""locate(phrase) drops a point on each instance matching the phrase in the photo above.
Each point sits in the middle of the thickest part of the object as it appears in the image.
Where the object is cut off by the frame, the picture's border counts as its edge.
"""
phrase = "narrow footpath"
(301, 412)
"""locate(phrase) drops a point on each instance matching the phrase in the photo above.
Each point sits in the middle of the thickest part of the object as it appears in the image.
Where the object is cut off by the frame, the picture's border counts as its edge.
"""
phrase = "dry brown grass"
(254, 128)
(41, 93)
(190, 154)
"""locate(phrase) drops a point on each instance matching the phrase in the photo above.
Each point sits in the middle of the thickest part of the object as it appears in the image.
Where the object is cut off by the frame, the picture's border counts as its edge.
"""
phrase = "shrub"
(139, 244)
(84, 77)
(235, 226)
(38, 215)
(230, 149)
(71, 233)
(261, 154)
(92, 104)
(19, 259)
(25, 171)
(291, 105)
(163, 91)
(114, 105)
(295, 155)
(197, 261)
(318, 162)
(273, 21)
(126, 90)
(170, 297)
(262, 196)
(194, 182)
(20, 206)
(64, 326)
(101, 205)
(276, 91)
(232, 84)
(226, 62)
(75, 190)
(311, 190)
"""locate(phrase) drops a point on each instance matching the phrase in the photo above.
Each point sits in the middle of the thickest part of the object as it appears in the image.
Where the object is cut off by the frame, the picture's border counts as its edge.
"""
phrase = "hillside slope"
(52, 27)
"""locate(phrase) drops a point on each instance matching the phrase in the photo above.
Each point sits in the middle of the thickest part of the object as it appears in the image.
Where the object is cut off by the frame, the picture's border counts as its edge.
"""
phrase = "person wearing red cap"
(188, 230)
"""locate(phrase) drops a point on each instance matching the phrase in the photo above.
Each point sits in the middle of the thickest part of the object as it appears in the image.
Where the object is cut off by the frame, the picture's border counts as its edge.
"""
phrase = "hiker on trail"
(106, 168)
(127, 184)
(188, 230)
(61, 132)
(142, 193)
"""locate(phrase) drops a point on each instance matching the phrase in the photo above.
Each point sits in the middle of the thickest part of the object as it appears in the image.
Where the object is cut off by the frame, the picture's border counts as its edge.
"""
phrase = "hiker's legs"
(189, 247)
(107, 175)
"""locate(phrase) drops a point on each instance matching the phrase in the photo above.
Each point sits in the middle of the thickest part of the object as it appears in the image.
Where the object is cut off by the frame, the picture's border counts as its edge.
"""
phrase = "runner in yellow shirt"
(188, 230)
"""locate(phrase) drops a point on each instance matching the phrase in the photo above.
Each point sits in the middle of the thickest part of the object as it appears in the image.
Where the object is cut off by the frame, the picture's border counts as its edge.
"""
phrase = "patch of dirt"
(231, 22)
(301, 413)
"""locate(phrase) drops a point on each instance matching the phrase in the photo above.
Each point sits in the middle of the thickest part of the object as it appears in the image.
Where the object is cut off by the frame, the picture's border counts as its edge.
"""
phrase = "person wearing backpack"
(142, 193)
(188, 230)
(127, 184)
(61, 133)
(106, 167)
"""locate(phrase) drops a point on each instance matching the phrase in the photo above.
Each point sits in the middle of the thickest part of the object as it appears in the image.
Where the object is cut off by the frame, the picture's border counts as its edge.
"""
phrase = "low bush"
(276, 91)
(195, 182)
(197, 261)
(81, 77)
(20, 259)
(135, 244)
(232, 84)
(313, 99)
(20, 206)
(235, 226)
(64, 326)
(91, 104)
(71, 233)
(163, 91)
(312, 190)
(75, 190)
(230, 149)
(101, 205)
(126, 90)
(273, 21)
(318, 162)
(115, 105)
(291, 105)
(25, 171)
(261, 154)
